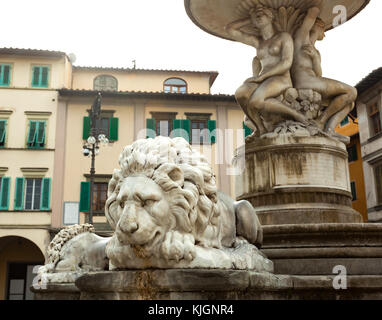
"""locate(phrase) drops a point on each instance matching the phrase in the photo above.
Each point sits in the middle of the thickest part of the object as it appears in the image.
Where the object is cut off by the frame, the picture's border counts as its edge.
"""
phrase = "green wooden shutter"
(212, 128)
(45, 194)
(85, 196)
(113, 129)
(44, 76)
(176, 125)
(247, 131)
(186, 126)
(19, 193)
(5, 71)
(36, 77)
(150, 128)
(4, 193)
(86, 128)
(41, 125)
(3, 126)
(32, 132)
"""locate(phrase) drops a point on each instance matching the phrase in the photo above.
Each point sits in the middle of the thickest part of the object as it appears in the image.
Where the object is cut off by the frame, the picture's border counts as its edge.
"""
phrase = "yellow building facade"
(349, 127)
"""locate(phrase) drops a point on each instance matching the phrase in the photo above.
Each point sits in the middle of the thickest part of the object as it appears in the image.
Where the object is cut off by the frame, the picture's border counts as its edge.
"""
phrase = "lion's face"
(142, 211)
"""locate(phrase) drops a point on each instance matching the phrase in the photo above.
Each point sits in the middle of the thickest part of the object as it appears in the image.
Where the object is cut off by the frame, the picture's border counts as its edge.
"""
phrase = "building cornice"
(144, 94)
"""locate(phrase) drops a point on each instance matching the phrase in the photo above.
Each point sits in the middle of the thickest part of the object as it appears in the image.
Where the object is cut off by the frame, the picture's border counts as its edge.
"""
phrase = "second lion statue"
(166, 211)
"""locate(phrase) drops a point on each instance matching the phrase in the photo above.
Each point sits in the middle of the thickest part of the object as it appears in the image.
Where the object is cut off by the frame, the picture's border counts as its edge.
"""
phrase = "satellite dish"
(72, 57)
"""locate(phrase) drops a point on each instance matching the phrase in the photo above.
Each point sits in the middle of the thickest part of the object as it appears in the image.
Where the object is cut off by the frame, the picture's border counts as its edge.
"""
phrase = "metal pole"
(92, 172)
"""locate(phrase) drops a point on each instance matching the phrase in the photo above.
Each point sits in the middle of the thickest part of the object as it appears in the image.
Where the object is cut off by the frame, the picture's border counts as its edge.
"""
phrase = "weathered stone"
(315, 249)
(297, 180)
(219, 285)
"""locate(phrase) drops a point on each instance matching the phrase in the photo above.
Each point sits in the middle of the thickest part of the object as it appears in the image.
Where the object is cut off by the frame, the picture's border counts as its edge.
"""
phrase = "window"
(352, 153)
(163, 123)
(40, 77)
(375, 119)
(378, 180)
(3, 127)
(36, 134)
(175, 85)
(99, 196)
(353, 190)
(345, 121)
(105, 82)
(20, 279)
(32, 194)
(5, 75)
(106, 124)
(200, 133)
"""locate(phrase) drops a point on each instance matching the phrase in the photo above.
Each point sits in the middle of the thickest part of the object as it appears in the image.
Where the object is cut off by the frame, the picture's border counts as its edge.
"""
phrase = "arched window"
(105, 82)
(175, 85)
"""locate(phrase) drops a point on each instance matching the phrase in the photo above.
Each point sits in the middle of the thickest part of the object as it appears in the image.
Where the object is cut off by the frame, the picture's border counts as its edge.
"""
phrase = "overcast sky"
(158, 34)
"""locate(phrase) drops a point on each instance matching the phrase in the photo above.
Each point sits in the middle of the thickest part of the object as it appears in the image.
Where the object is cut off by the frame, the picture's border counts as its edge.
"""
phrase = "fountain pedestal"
(297, 180)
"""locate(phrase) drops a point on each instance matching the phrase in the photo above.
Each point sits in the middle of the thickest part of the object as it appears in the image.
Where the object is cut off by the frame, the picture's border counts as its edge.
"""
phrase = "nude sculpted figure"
(271, 69)
(307, 73)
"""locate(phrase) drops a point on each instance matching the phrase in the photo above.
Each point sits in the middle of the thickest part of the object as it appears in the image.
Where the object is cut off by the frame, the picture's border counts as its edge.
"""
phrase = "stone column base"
(215, 285)
(296, 180)
(316, 249)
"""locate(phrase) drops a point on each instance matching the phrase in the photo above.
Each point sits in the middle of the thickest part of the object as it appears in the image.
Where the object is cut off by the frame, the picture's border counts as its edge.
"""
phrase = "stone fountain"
(177, 237)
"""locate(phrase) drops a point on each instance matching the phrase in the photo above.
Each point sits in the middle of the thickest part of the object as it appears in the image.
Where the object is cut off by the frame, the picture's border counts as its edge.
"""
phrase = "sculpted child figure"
(271, 69)
(307, 73)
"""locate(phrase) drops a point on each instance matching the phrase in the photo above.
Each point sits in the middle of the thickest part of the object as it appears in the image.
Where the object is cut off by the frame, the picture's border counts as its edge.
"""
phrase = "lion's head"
(163, 185)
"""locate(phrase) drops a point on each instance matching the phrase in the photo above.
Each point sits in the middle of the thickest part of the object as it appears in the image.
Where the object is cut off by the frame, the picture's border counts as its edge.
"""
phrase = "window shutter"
(5, 75)
(212, 128)
(19, 194)
(32, 131)
(41, 132)
(4, 193)
(44, 76)
(113, 129)
(3, 125)
(247, 131)
(150, 128)
(36, 76)
(85, 196)
(186, 126)
(86, 128)
(176, 126)
(45, 194)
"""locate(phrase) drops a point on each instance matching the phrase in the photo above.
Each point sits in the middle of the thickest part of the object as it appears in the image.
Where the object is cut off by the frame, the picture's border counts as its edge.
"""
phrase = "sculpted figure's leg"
(337, 118)
(247, 223)
(264, 100)
(344, 95)
(243, 95)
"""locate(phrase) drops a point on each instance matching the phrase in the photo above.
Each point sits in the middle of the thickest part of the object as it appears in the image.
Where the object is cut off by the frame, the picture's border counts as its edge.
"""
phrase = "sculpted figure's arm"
(316, 58)
(310, 18)
(285, 62)
(234, 31)
(256, 66)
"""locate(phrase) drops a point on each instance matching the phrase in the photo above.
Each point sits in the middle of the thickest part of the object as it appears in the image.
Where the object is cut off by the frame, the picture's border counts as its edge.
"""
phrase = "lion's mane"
(193, 195)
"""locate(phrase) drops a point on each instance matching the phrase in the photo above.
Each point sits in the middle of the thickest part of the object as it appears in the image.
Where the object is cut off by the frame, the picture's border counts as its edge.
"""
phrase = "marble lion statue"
(166, 211)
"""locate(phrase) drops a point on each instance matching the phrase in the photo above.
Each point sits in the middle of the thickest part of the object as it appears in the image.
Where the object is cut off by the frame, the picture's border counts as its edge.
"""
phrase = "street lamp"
(92, 145)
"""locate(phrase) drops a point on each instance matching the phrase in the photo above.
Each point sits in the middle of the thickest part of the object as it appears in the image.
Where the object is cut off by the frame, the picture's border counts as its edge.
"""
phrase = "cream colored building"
(369, 108)
(29, 80)
(44, 109)
(138, 100)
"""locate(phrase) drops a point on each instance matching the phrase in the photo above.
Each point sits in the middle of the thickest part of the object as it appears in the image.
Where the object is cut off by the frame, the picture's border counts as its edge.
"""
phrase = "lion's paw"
(178, 246)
